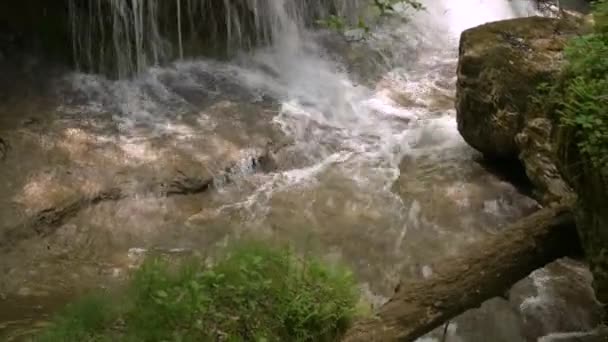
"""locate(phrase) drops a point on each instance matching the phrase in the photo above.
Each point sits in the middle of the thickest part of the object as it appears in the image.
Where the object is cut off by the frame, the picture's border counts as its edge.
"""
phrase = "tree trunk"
(487, 270)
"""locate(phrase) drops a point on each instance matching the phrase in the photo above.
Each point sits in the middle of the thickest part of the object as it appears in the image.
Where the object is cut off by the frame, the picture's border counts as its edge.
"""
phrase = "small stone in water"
(24, 291)
(354, 35)
(427, 271)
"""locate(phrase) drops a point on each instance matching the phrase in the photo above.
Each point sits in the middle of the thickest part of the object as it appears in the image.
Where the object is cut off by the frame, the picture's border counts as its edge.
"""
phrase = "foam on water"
(569, 336)
(335, 122)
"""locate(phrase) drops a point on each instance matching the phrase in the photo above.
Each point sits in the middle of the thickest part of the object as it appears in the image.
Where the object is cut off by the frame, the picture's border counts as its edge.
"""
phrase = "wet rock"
(537, 155)
(354, 35)
(501, 67)
(599, 334)
(501, 64)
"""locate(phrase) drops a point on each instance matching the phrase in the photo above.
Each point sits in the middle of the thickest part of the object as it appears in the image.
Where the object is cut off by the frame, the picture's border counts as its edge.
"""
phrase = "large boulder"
(501, 68)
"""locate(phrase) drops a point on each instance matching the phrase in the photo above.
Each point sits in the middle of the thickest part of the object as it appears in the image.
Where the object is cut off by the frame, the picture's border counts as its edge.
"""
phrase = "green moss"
(255, 293)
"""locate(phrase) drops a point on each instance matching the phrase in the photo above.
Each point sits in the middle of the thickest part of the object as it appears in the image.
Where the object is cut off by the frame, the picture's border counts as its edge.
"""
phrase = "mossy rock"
(501, 66)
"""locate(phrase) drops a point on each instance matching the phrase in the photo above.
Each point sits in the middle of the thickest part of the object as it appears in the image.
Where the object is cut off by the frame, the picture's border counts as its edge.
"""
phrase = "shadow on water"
(511, 171)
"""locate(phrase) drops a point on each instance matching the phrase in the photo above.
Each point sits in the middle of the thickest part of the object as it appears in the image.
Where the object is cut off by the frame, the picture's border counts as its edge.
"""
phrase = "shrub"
(255, 293)
(582, 95)
(81, 321)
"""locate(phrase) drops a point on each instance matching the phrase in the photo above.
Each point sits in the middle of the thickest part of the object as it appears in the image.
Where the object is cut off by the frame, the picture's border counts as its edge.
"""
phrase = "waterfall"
(458, 13)
(123, 37)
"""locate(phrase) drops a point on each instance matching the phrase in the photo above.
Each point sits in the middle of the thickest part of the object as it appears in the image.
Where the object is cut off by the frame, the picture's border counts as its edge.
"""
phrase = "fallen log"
(488, 269)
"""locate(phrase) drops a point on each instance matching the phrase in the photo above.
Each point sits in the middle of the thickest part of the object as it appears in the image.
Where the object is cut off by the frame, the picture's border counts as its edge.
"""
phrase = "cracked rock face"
(537, 154)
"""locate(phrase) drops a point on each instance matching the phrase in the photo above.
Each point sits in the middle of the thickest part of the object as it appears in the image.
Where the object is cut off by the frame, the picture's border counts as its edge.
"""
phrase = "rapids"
(367, 164)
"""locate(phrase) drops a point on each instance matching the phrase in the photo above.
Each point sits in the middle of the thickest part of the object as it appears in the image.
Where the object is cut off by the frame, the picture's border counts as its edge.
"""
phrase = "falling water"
(124, 37)
(375, 169)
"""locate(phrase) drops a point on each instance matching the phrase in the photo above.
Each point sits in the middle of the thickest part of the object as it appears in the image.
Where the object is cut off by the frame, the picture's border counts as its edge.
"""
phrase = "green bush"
(256, 293)
(582, 94)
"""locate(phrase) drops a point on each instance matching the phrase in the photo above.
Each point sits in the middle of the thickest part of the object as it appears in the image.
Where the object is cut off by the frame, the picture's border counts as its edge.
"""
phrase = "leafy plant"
(333, 22)
(255, 293)
(579, 96)
(600, 15)
(384, 7)
(583, 93)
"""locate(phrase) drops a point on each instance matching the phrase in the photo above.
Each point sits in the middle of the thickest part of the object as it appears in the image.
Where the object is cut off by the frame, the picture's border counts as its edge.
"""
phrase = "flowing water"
(362, 163)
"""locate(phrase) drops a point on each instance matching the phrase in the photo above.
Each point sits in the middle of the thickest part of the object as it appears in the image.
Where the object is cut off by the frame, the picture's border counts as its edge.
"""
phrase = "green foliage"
(600, 15)
(581, 95)
(255, 293)
(333, 22)
(384, 8)
(81, 321)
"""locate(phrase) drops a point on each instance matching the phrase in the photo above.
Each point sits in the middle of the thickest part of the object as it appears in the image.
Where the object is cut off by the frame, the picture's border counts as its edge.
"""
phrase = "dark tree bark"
(488, 269)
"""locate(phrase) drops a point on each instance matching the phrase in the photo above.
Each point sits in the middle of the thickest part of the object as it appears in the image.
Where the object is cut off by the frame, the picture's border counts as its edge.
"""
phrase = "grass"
(254, 293)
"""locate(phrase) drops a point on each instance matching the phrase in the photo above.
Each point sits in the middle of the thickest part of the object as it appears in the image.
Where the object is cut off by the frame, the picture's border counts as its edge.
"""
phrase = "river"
(345, 148)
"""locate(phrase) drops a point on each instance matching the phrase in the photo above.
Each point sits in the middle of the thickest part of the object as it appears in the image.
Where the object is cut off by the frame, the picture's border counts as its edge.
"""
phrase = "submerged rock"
(501, 67)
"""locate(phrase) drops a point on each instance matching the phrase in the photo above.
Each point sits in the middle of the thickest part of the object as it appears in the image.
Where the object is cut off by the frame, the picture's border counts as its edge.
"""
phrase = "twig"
(445, 331)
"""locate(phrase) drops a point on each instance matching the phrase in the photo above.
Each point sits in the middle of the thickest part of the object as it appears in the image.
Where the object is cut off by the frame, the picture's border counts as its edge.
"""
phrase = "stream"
(345, 148)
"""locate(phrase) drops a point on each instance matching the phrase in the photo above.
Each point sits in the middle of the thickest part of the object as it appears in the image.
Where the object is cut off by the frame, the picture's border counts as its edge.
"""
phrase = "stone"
(501, 65)
(501, 68)
(537, 155)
